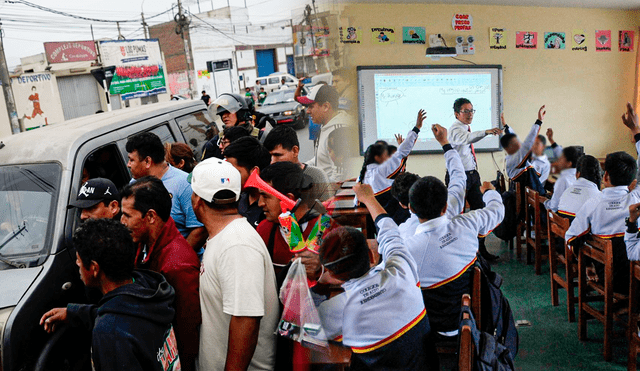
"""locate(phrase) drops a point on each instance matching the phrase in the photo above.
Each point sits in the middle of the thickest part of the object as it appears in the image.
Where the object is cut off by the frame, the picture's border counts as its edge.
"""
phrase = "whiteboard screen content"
(390, 97)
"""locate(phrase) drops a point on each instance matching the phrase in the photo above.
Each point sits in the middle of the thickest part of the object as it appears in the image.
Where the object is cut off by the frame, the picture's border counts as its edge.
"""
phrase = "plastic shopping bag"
(300, 320)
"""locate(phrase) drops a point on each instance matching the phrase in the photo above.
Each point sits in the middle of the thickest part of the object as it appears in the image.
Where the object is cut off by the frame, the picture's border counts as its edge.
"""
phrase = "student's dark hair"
(234, 133)
(427, 197)
(505, 140)
(401, 186)
(281, 135)
(621, 168)
(149, 193)
(147, 145)
(392, 149)
(572, 154)
(345, 253)
(542, 139)
(589, 168)
(249, 153)
(370, 154)
(108, 243)
(287, 177)
(457, 105)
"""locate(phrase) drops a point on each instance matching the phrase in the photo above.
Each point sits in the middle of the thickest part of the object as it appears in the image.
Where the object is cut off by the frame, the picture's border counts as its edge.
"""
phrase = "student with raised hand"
(605, 216)
(632, 235)
(587, 186)
(445, 244)
(384, 319)
(379, 170)
(567, 165)
(540, 160)
(455, 191)
(518, 152)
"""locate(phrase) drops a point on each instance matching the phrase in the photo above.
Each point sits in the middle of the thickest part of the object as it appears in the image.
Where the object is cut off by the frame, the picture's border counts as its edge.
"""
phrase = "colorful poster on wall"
(579, 40)
(383, 35)
(414, 35)
(497, 38)
(37, 99)
(526, 40)
(625, 41)
(603, 40)
(350, 35)
(462, 22)
(139, 69)
(554, 40)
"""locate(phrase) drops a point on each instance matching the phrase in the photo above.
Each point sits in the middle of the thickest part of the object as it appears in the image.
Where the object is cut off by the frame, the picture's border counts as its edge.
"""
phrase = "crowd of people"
(190, 258)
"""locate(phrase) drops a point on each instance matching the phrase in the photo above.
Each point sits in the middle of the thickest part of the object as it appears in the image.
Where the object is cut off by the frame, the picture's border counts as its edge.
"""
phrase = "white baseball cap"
(212, 176)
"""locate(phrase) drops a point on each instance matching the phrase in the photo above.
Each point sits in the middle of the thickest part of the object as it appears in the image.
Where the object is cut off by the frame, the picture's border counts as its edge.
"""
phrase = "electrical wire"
(464, 60)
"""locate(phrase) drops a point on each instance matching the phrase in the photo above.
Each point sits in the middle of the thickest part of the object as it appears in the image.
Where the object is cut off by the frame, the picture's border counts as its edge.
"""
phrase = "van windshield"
(28, 194)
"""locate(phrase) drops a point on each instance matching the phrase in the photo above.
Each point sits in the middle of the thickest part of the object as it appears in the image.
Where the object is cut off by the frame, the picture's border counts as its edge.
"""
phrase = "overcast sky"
(25, 28)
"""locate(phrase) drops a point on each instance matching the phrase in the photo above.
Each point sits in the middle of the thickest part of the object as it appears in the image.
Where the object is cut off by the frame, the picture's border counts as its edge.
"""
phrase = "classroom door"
(266, 62)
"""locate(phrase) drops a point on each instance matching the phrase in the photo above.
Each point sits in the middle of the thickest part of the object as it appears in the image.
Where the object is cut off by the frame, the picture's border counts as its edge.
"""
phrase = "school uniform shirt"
(237, 279)
(518, 163)
(577, 195)
(632, 242)
(462, 138)
(456, 192)
(566, 180)
(445, 248)
(542, 166)
(321, 158)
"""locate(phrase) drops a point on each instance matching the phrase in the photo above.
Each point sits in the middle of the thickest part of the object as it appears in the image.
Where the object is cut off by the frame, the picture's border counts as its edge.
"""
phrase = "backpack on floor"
(507, 230)
(489, 355)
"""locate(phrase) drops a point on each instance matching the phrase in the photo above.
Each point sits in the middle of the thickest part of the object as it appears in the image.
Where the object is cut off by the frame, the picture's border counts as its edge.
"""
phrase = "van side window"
(274, 80)
(197, 129)
(289, 79)
(164, 133)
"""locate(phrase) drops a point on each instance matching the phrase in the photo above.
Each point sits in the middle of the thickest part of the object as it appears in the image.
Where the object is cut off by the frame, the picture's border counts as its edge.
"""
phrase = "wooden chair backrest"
(518, 198)
(558, 225)
(599, 249)
(476, 295)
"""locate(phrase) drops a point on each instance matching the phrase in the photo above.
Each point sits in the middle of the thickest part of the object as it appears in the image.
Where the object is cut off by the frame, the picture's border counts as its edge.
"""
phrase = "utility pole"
(120, 37)
(182, 24)
(8, 92)
(144, 27)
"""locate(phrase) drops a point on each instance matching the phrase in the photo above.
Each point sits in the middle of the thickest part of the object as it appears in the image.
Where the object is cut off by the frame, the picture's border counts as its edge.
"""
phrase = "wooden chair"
(466, 352)
(600, 250)
(634, 339)
(557, 228)
(520, 228)
(533, 202)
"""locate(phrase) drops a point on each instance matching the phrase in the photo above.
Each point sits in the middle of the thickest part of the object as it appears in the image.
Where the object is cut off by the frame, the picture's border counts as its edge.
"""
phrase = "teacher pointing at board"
(462, 138)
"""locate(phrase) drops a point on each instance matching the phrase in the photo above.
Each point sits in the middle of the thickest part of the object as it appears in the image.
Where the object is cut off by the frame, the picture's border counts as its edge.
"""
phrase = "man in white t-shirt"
(238, 295)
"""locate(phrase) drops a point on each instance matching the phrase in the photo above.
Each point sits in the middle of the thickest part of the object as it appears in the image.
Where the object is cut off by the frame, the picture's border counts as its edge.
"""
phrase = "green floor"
(551, 342)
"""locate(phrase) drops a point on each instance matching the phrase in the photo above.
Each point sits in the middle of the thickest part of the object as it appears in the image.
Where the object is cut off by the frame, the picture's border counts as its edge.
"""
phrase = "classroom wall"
(585, 92)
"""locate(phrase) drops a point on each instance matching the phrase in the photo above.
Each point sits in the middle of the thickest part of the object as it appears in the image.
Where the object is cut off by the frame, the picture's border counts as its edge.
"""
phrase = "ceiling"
(608, 4)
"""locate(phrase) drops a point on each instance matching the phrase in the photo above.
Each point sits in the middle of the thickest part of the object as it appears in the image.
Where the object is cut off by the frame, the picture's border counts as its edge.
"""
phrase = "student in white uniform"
(587, 186)
(540, 160)
(445, 247)
(379, 169)
(384, 320)
(632, 235)
(400, 192)
(567, 165)
(605, 216)
(517, 158)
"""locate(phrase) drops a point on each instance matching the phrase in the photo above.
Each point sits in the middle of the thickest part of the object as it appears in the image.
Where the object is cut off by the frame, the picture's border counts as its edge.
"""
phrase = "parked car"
(284, 109)
(41, 172)
(273, 81)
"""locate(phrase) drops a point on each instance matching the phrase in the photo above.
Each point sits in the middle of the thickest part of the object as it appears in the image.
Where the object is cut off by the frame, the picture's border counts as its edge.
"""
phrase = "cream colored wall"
(585, 92)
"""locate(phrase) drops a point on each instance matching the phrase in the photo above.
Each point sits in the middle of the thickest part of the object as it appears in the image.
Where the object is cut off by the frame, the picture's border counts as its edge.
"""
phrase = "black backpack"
(507, 230)
(490, 355)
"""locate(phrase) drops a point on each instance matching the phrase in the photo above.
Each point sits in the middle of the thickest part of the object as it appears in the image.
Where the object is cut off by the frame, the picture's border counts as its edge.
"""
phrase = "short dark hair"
(281, 135)
(505, 140)
(428, 197)
(392, 149)
(621, 168)
(401, 186)
(287, 177)
(148, 145)
(542, 139)
(457, 105)
(572, 154)
(345, 253)
(149, 193)
(234, 133)
(203, 91)
(249, 153)
(108, 243)
(589, 168)
(224, 194)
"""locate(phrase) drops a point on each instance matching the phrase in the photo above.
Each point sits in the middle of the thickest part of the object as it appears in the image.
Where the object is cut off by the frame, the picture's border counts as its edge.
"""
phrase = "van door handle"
(66, 286)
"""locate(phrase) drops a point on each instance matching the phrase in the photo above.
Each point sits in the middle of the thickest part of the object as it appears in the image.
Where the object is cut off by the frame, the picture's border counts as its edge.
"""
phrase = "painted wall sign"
(70, 51)
(462, 22)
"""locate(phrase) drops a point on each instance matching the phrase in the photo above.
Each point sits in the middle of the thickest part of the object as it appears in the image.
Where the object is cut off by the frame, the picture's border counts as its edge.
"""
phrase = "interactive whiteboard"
(390, 97)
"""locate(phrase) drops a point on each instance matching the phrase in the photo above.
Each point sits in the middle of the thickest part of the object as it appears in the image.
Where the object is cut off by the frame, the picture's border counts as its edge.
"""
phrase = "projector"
(441, 51)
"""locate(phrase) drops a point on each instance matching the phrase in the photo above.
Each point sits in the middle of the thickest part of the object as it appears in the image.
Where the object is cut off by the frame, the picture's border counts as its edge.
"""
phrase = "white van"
(272, 82)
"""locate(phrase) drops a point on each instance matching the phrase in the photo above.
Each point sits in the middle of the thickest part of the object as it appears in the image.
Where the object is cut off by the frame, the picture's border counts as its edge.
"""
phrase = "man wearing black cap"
(98, 199)
(322, 107)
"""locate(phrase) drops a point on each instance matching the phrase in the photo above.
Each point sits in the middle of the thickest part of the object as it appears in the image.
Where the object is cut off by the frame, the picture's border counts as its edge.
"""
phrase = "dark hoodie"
(132, 326)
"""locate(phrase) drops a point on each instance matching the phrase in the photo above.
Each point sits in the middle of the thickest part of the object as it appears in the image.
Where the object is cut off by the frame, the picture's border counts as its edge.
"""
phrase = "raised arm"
(488, 218)
(457, 176)
(460, 136)
(557, 149)
(630, 120)
(394, 162)
(631, 238)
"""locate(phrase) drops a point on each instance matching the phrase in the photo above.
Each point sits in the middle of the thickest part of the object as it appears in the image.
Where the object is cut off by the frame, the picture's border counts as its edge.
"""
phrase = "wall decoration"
(497, 38)
(383, 35)
(579, 40)
(414, 35)
(462, 22)
(350, 35)
(625, 41)
(554, 40)
(526, 40)
(603, 40)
